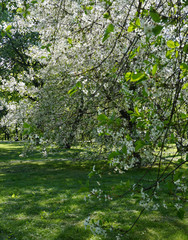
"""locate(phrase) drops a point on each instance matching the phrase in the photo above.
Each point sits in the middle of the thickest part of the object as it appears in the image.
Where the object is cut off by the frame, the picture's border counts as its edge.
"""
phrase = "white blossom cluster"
(99, 194)
(95, 227)
(180, 186)
(102, 58)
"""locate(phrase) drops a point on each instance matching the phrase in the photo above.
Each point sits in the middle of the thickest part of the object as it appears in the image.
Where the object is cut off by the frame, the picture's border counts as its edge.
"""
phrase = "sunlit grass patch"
(44, 198)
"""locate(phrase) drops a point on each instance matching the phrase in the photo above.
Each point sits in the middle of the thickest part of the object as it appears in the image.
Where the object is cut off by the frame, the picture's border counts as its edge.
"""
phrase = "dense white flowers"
(94, 226)
(108, 74)
(181, 186)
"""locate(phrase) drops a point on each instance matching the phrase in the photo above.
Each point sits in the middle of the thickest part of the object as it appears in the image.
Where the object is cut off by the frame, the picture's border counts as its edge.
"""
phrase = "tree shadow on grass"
(46, 193)
(44, 199)
(73, 233)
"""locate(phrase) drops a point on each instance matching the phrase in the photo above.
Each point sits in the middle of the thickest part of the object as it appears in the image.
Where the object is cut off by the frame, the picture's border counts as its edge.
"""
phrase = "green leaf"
(102, 117)
(145, 12)
(9, 35)
(108, 30)
(112, 155)
(184, 67)
(139, 145)
(154, 15)
(107, 2)
(134, 25)
(78, 84)
(132, 55)
(185, 2)
(156, 30)
(164, 19)
(128, 76)
(181, 213)
(69, 40)
(137, 22)
(106, 15)
(128, 137)
(169, 54)
(147, 137)
(3, 33)
(106, 36)
(144, 92)
(185, 86)
(154, 70)
(27, 129)
(26, 125)
(72, 91)
(183, 115)
(91, 174)
(19, 10)
(138, 76)
(88, 8)
(131, 27)
(136, 110)
(26, 5)
(124, 149)
(47, 47)
(185, 48)
(171, 44)
(8, 28)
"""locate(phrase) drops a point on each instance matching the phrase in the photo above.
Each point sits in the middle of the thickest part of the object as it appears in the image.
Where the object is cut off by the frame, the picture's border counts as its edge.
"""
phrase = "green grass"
(43, 198)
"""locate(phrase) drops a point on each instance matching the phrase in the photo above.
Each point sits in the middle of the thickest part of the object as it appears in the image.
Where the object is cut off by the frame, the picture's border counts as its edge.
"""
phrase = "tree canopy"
(111, 72)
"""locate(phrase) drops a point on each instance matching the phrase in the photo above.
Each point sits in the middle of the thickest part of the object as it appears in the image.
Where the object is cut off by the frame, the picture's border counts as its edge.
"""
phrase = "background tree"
(113, 73)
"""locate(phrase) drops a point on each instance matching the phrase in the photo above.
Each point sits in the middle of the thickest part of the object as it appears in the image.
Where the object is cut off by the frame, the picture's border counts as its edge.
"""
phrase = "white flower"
(178, 206)
(86, 222)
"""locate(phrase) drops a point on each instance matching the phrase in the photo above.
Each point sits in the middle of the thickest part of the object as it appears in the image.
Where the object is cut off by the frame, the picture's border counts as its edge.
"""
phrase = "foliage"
(112, 73)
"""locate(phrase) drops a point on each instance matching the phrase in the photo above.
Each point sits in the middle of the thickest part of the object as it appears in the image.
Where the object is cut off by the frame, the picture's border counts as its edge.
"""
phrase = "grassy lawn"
(43, 198)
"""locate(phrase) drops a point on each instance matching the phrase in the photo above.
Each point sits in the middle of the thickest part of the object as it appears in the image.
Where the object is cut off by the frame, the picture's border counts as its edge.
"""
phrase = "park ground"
(46, 198)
